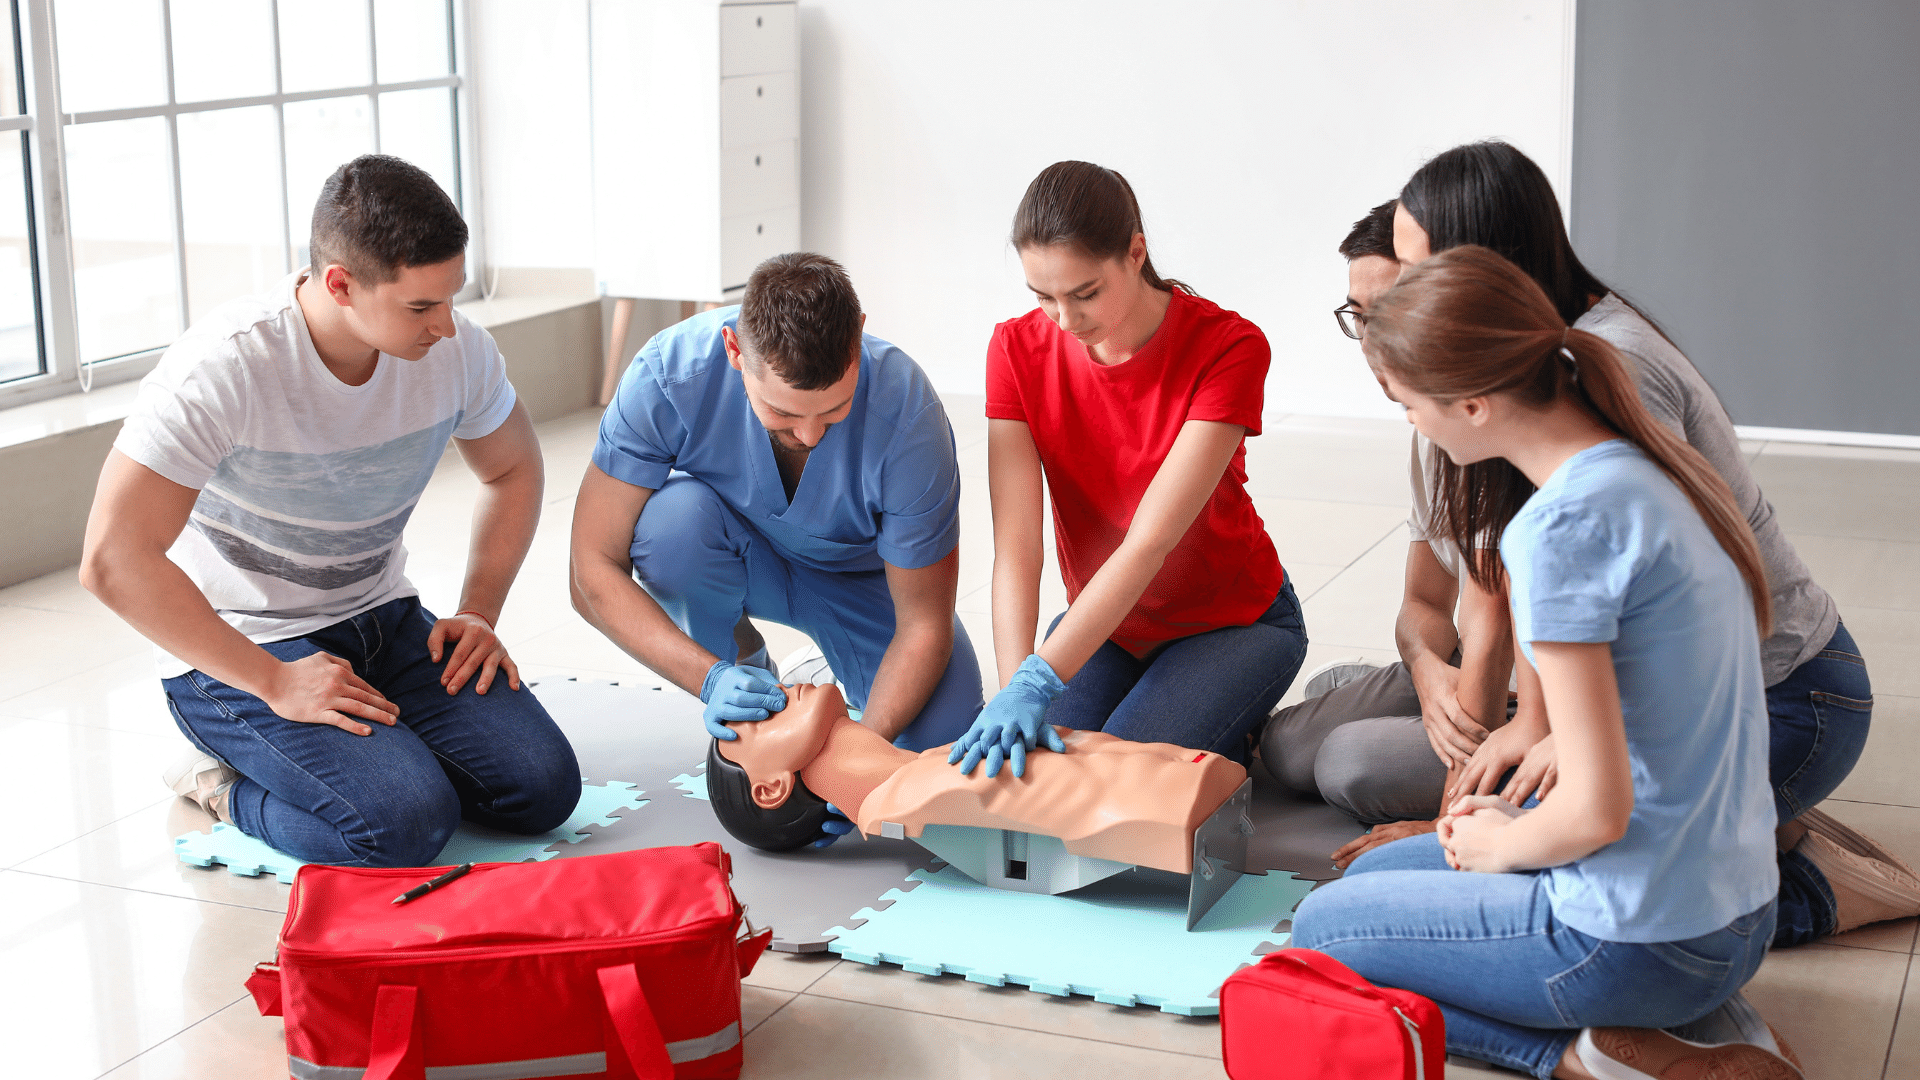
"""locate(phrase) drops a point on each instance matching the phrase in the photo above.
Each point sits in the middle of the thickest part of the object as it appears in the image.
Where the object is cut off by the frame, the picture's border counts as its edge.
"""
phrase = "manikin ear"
(772, 794)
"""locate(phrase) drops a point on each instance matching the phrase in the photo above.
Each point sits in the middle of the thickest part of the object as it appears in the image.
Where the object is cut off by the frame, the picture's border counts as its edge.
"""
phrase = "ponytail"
(1087, 207)
(1467, 323)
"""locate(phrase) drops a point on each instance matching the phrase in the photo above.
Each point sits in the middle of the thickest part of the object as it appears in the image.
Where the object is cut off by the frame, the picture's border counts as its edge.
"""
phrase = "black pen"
(419, 891)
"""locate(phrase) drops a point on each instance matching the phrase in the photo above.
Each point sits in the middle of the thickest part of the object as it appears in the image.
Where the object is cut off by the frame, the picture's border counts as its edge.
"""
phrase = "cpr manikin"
(1106, 799)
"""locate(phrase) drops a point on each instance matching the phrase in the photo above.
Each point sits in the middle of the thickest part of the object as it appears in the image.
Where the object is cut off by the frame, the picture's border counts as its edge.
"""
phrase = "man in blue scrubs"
(772, 460)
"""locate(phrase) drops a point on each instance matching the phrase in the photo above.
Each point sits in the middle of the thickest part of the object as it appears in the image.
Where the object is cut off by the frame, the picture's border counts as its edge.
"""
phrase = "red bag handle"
(393, 1046)
(1324, 966)
(635, 1048)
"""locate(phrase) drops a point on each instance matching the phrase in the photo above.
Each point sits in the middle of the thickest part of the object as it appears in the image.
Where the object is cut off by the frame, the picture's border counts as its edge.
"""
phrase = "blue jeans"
(1516, 983)
(1819, 715)
(706, 565)
(1204, 692)
(391, 798)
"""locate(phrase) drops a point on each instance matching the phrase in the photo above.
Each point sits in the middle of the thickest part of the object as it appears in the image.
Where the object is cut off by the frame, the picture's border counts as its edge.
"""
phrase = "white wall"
(531, 102)
(1253, 132)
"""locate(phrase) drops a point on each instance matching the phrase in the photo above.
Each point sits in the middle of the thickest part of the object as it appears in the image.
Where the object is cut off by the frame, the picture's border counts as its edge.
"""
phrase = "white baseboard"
(1830, 438)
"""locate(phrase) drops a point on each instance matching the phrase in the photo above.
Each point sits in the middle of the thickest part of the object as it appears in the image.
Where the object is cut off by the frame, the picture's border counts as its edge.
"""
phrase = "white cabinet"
(696, 144)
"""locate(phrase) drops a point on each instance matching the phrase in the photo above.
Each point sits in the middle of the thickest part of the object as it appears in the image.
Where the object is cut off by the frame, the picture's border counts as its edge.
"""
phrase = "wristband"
(470, 611)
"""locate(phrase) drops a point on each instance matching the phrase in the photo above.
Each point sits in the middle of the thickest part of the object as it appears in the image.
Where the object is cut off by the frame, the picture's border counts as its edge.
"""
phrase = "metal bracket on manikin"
(1219, 853)
(1017, 861)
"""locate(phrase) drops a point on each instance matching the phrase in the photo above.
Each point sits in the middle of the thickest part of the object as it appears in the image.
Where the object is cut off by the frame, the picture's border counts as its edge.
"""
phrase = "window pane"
(222, 49)
(9, 70)
(230, 190)
(19, 337)
(412, 35)
(120, 204)
(418, 125)
(321, 136)
(324, 45)
(112, 54)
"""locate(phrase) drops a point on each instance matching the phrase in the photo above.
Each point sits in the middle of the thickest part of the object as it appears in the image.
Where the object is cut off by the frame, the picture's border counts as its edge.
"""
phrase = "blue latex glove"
(835, 827)
(1013, 722)
(734, 692)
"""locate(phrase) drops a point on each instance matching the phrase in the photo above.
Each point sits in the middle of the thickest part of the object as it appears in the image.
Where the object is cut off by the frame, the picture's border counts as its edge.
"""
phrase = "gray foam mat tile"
(648, 732)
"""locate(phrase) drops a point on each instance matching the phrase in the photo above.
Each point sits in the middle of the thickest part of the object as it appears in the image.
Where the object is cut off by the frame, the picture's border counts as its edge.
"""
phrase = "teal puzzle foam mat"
(1123, 941)
(243, 855)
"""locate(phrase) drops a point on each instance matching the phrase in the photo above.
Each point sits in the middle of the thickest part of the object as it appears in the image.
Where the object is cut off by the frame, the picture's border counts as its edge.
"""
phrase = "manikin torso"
(1105, 798)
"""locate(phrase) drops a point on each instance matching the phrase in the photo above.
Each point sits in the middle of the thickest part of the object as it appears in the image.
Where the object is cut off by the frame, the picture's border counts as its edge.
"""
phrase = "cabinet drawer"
(758, 178)
(759, 109)
(748, 240)
(757, 38)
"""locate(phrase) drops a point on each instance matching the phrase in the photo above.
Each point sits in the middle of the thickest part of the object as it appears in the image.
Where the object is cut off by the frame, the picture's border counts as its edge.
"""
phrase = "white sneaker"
(199, 777)
(807, 665)
(1335, 674)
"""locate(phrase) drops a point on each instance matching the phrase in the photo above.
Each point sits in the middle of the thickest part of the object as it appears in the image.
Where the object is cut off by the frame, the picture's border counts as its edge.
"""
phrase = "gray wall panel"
(1746, 171)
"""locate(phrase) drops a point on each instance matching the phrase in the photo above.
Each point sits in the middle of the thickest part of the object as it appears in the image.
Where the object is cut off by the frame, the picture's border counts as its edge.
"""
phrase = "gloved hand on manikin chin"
(736, 692)
(1013, 723)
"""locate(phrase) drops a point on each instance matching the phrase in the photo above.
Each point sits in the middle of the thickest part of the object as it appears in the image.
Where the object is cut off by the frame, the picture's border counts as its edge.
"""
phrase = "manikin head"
(1083, 251)
(754, 782)
(389, 249)
(797, 347)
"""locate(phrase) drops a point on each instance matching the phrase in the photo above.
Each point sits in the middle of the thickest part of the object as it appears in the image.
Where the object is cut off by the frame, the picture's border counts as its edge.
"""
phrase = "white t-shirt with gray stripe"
(1673, 390)
(306, 483)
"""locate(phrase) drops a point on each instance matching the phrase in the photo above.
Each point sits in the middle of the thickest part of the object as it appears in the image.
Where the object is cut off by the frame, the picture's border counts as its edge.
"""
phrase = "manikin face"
(1084, 296)
(404, 317)
(796, 419)
(1410, 242)
(1367, 277)
(774, 750)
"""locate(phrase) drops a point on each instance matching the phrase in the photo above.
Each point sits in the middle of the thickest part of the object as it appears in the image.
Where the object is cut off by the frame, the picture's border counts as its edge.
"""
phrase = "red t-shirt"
(1103, 432)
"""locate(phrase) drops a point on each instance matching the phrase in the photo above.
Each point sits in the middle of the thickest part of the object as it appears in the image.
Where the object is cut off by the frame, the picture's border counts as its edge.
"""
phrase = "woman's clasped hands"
(1470, 833)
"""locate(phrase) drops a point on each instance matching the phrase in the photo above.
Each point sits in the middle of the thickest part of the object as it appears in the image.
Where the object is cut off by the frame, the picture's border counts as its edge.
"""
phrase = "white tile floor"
(118, 961)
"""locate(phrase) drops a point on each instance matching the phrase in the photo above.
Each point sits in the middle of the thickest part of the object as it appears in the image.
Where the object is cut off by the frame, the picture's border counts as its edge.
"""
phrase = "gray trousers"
(1361, 747)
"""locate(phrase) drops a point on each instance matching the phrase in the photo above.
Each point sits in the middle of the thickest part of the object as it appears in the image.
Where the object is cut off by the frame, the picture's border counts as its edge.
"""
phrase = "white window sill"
(51, 417)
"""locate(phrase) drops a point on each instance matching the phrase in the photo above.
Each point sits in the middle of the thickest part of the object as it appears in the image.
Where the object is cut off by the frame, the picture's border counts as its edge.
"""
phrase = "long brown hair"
(1087, 207)
(1467, 323)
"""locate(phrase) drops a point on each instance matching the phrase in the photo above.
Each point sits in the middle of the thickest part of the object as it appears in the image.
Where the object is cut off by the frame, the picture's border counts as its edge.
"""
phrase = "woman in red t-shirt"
(1133, 398)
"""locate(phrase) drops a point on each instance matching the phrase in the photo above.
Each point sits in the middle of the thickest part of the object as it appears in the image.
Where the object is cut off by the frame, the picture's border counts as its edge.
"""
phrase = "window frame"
(52, 242)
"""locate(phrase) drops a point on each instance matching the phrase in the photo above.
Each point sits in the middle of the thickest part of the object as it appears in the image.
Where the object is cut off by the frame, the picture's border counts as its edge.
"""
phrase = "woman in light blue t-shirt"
(1639, 895)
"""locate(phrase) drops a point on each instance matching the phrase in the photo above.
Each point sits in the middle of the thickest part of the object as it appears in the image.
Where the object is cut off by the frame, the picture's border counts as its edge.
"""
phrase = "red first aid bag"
(1302, 1015)
(625, 966)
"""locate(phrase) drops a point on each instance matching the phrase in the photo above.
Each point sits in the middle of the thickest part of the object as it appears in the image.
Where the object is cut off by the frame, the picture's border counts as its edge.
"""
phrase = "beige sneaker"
(1865, 889)
(1648, 1054)
(202, 778)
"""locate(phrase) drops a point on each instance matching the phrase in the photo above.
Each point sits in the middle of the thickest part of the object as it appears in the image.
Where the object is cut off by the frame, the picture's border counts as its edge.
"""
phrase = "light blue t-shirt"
(1610, 549)
(883, 484)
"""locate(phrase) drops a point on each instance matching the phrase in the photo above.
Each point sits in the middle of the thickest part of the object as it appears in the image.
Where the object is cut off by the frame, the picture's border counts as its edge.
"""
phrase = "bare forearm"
(1016, 612)
(912, 666)
(1425, 635)
(157, 598)
(1555, 833)
(1101, 606)
(610, 599)
(504, 519)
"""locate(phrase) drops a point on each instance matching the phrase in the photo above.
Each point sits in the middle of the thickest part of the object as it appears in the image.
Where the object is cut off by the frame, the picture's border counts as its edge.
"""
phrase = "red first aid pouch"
(625, 965)
(1302, 1015)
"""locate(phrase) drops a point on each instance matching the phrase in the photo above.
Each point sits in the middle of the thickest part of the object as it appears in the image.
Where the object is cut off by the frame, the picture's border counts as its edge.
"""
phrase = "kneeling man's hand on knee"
(322, 689)
(475, 648)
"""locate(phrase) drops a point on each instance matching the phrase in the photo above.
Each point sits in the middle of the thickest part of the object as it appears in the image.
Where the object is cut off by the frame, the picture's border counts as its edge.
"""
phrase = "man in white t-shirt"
(248, 522)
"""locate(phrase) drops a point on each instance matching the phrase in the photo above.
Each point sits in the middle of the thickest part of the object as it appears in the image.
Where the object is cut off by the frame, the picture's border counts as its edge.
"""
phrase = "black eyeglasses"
(1351, 322)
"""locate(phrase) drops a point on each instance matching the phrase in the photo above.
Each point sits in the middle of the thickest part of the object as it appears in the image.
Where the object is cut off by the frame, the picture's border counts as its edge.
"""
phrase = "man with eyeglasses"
(1356, 740)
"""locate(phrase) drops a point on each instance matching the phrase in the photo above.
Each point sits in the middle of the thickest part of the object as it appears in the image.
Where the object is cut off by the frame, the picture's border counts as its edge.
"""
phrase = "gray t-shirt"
(1804, 616)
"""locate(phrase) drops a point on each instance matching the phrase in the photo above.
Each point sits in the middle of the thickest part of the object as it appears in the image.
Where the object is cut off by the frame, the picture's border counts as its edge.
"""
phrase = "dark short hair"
(1371, 235)
(794, 823)
(801, 317)
(378, 214)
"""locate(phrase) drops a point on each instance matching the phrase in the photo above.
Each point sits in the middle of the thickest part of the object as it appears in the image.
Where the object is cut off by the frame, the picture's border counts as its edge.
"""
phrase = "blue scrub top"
(882, 486)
